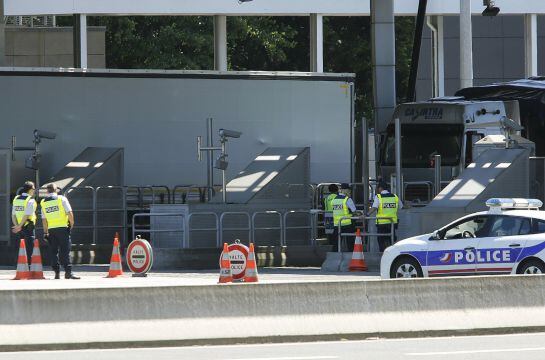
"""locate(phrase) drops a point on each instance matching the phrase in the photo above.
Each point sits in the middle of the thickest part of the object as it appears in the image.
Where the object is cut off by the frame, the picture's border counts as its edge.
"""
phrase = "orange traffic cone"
(116, 268)
(251, 267)
(23, 272)
(225, 266)
(358, 262)
(36, 269)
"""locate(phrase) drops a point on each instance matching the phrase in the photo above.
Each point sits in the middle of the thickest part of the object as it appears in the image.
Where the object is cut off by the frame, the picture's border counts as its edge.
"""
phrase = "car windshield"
(420, 142)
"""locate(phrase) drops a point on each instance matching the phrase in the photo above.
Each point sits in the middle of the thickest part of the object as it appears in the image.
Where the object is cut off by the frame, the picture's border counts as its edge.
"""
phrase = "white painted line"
(475, 351)
(289, 358)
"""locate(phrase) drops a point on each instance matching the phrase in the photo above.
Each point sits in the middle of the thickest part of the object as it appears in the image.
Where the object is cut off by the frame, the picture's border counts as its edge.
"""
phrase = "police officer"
(343, 206)
(386, 205)
(328, 214)
(23, 216)
(58, 219)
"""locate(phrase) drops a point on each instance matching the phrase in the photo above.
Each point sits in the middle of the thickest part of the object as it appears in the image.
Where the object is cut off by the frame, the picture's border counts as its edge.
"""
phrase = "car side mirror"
(435, 235)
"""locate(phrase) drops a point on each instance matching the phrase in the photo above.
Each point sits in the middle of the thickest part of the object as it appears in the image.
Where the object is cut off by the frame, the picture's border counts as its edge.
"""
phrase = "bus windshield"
(420, 142)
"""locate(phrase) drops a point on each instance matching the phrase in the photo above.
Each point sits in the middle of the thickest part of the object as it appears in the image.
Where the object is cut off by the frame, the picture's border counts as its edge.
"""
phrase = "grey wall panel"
(498, 52)
(156, 120)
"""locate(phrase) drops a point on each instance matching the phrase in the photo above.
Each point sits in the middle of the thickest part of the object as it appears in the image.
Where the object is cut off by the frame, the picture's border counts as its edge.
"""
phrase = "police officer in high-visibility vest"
(328, 214)
(386, 206)
(23, 216)
(343, 206)
(58, 219)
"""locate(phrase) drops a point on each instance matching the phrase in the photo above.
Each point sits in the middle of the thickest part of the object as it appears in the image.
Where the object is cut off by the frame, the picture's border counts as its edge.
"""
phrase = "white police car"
(507, 239)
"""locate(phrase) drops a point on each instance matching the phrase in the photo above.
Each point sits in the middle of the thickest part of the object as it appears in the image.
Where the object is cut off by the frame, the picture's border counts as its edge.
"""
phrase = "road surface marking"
(475, 351)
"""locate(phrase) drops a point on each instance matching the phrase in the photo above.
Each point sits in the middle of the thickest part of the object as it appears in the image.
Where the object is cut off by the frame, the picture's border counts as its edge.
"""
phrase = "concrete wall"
(155, 310)
(498, 52)
(51, 47)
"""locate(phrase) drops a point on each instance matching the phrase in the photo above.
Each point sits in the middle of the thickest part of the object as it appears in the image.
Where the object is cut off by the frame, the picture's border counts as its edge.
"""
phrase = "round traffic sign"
(238, 255)
(139, 256)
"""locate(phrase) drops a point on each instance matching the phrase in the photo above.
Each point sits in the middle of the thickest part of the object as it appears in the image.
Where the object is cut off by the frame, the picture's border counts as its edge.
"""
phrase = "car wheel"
(405, 267)
(532, 267)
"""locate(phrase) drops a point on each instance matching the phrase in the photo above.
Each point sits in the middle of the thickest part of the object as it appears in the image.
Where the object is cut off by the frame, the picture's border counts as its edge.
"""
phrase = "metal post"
(466, 45)
(399, 185)
(417, 42)
(37, 171)
(209, 158)
(437, 170)
(530, 44)
(435, 23)
(316, 43)
(383, 60)
(220, 42)
(339, 229)
(365, 162)
(223, 175)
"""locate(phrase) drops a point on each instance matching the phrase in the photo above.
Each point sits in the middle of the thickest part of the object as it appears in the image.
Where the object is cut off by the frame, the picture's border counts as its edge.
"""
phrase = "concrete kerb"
(211, 313)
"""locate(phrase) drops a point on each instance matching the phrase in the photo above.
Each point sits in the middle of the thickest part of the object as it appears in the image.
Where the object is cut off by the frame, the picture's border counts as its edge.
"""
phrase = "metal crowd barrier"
(364, 234)
(109, 210)
(303, 227)
(427, 184)
(190, 228)
(245, 228)
(280, 227)
(156, 231)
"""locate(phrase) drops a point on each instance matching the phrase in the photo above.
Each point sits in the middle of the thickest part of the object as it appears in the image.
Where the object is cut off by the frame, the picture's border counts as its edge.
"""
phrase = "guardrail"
(187, 243)
(287, 214)
(280, 226)
(245, 228)
(156, 231)
(363, 234)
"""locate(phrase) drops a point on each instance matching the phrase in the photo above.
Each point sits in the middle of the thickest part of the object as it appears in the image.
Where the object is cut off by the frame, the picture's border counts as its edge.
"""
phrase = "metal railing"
(309, 227)
(152, 231)
(191, 229)
(279, 228)
(363, 234)
(247, 228)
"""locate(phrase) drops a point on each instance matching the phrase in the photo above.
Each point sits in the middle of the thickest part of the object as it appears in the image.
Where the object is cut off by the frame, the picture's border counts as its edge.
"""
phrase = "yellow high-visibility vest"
(387, 209)
(340, 210)
(19, 205)
(54, 212)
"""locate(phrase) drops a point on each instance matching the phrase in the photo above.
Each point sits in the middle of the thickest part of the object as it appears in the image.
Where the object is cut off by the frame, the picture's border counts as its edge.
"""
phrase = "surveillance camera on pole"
(224, 133)
(221, 162)
(33, 161)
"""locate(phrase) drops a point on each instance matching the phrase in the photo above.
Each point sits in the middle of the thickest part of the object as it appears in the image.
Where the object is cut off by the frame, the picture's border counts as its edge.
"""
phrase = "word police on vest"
(229, 133)
(51, 209)
(389, 205)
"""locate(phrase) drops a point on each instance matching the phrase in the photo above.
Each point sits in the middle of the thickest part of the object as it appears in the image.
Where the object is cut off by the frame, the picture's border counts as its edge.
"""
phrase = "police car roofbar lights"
(515, 203)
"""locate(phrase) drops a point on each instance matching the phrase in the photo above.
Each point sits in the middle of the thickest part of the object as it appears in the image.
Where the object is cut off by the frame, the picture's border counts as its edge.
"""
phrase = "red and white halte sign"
(139, 256)
(238, 255)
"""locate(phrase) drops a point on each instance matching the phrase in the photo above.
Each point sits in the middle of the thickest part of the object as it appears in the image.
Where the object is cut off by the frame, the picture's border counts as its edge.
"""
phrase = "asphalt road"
(497, 347)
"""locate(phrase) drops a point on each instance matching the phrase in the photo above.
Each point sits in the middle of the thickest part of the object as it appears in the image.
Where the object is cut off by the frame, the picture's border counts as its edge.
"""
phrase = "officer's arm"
(44, 224)
(71, 219)
(14, 220)
(23, 220)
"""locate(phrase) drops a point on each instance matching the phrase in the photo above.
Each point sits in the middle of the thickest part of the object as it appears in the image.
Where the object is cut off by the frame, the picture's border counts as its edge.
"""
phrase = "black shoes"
(57, 275)
(71, 276)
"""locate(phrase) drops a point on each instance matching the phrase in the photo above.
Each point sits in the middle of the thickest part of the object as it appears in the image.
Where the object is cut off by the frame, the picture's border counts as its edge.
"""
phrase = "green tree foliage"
(254, 43)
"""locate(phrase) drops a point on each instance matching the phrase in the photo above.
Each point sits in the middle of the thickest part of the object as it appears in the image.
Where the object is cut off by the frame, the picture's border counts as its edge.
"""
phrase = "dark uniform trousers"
(385, 241)
(59, 245)
(27, 233)
(348, 240)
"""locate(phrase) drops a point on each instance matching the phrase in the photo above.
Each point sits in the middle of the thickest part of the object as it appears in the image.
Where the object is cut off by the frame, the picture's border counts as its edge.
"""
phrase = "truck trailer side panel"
(157, 115)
